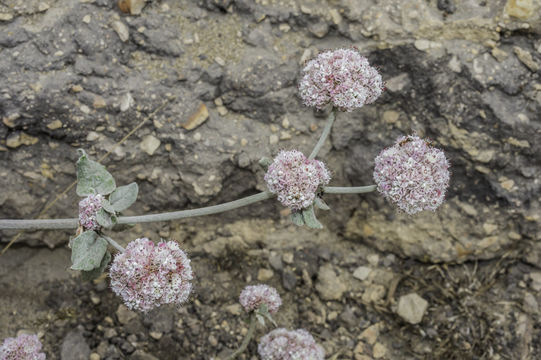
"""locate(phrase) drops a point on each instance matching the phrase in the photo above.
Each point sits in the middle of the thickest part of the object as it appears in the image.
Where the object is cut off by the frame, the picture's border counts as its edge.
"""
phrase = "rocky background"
(465, 73)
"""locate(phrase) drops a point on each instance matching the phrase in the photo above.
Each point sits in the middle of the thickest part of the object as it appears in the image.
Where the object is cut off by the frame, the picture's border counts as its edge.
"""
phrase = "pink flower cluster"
(296, 179)
(146, 275)
(253, 296)
(23, 347)
(341, 77)
(413, 174)
(281, 344)
(88, 208)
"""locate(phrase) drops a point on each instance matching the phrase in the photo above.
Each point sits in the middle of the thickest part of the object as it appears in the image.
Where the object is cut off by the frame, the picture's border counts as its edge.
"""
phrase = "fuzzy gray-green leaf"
(95, 273)
(92, 177)
(296, 218)
(320, 204)
(310, 218)
(108, 207)
(87, 251)
(123, 197)
(105, 219)
(260, 319)
(265, 162)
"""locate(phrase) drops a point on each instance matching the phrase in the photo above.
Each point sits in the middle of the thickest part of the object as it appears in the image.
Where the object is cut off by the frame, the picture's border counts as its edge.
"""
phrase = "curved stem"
(324, 134)
(246, 340)
(348, 189)
(64, 224)
(175, 215)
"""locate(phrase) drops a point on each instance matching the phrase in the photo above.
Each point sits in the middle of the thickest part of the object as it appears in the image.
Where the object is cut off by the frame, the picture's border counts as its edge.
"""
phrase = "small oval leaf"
(105, 219)
(296, 218)
(123, 197)
(92, 177)
(265, 162)
(87, 251)
(320, 204)
(310, 218)
(94, 274)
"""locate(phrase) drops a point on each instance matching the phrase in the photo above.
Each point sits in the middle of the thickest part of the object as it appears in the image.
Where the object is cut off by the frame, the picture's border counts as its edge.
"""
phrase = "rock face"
(83, 74)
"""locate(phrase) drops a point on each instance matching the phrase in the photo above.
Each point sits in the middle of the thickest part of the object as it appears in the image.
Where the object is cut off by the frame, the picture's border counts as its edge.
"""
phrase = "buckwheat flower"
(281, 344)
(296, 179)
(342, 78)
(413, 174)
(146, 275)
(88, 208)
(253, 296)
(23, 347)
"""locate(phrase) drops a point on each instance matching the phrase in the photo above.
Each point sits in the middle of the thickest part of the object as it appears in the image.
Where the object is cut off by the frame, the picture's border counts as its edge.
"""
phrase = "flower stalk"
(324, 134)
(247, 338)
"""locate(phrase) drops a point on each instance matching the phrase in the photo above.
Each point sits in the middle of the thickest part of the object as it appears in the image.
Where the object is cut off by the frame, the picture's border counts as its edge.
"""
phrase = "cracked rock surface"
(466, 74)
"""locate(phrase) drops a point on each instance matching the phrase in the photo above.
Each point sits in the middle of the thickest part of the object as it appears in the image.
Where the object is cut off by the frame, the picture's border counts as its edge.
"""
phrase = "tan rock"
(412, 308)
(379, 351)
(329, 285)
(391, 116)
(121, 30)
(370, 334)
(150, 144)
(374, 293)
(520, 9)
(76, 88)
(197, 118)
(125, 315)
(99, 102)
(57, 124)
(20, 138)
(265, 274)
(362, 272)
(526, 58)
(5, 17)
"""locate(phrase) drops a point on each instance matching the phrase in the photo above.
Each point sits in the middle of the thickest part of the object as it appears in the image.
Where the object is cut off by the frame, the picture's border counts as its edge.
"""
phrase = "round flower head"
(412, 174)
(88, 208)
(341, 77)
(281, 344)
(23, 347)
(253, 296)
(146, 275)
(296, 179)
